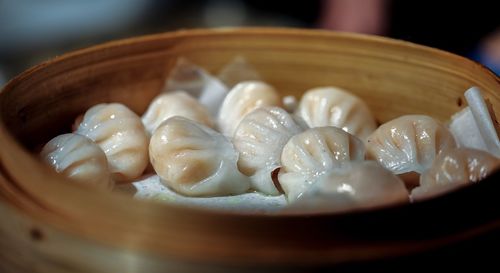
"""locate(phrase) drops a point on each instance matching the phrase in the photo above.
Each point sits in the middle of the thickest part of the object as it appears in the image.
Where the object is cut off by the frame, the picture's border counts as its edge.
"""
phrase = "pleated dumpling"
(121, 135)
(260, 138)
(313, 153)
(332, 106)
(171, 104)
(358, 184)
(78, 158)
(195, 160)
(241, 100)
(409, 143)
(454, 168)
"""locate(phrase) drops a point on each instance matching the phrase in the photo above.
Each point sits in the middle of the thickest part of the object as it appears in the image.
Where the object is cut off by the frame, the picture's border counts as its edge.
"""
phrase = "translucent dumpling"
(78, 158)
(332, 106)
(361, 184)
(121, 135)
(195, 160)
(260, 138)
(241, 100)
(167, 105)
(197, 82)
(314, 152)
(455, 168)
(409, 143)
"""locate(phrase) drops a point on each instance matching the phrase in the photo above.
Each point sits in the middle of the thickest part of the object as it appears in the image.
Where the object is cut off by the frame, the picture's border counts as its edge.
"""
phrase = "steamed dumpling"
(361, 184)
(332, 106)
(167, 105)
(260, 138)
(78, 158)
(313, 153)
(195, 160)
(455, 168)
(409, 143)
(243, 99)
(121, 135)
(197, 82)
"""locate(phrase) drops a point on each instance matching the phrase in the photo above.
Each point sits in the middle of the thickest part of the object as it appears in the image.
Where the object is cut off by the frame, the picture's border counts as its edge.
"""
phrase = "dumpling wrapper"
(260, 138)
(357, 185)
(243, 99)
(409, 143)
(167, 105)
(121, 135)
(333, 106)
(78, 158)
(197, 82)
(236, 71)
(290, 104)
(314, 152)
(195, 160)
(455, 168)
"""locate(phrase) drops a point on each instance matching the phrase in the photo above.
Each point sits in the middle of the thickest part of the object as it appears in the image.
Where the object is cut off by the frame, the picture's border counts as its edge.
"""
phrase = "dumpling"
(455, 168)
(241, 100)
(197, 82)
(409, 143)
(195, 160)
(332, 106)
(290, 104)
(236, 71)
(121, 135)
(314, 152)
(167, 105)
(78, 158)
(361, 184)
(260, 138)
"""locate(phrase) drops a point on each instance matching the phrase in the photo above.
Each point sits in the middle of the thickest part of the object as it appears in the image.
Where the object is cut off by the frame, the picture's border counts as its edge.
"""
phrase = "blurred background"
(32, 31)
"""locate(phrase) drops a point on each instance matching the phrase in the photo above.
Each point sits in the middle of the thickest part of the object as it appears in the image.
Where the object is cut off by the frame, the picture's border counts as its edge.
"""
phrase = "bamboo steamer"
(49, 225)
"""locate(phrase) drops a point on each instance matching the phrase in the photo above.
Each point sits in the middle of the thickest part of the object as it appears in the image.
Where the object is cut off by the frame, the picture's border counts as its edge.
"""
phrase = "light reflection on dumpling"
(167, 105)
(409, 143)
(455, 168)
(241, 100)
(314, 152)
(121, 135)
(195, 160)
(358, 184)
(78, 158)
(260, 138)
(332, 106)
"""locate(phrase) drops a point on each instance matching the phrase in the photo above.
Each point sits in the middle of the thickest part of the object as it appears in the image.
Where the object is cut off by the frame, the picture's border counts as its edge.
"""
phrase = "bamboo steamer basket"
(50, 225)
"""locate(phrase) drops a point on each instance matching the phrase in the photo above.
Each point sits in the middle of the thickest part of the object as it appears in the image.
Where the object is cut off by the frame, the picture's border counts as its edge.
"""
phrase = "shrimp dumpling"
(332, 106)
(197, 82)
(121, 135)
(195, 160)
(260, 138)
(409, 143)
(167, 105)
(78, 158)
(455, 168)
(312, 153)
(358, 184)
(243, 99)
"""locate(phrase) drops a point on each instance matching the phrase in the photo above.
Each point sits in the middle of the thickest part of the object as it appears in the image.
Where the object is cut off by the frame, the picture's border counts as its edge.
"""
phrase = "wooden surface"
(56, 226)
